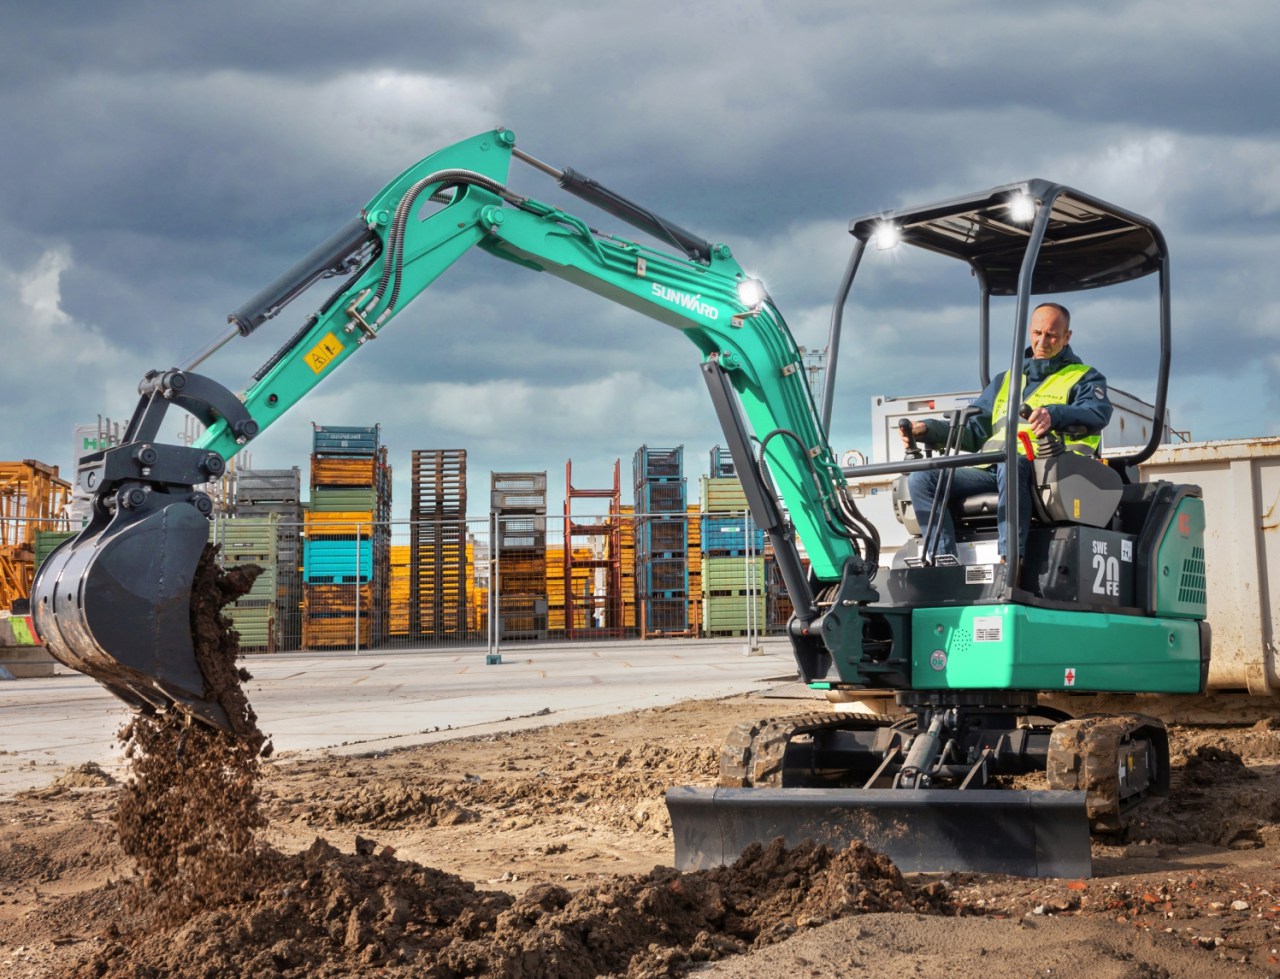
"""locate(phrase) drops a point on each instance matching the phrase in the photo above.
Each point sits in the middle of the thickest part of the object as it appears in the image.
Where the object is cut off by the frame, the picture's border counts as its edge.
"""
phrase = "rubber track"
(754, 752)
(1084, 753)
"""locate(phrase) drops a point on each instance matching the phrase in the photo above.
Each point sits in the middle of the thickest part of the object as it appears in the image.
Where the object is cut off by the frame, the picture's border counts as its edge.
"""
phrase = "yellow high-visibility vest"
(1053, 390)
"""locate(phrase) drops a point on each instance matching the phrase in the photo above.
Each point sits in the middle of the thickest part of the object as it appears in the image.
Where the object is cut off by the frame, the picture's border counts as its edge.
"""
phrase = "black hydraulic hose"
(850, 524)
(395, 235)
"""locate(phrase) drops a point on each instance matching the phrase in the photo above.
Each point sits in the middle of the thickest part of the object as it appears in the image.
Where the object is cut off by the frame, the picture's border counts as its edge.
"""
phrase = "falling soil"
(190, 812)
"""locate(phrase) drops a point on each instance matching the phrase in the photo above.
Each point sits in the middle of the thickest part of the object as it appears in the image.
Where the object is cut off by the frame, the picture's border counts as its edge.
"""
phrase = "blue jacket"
(1089, 405)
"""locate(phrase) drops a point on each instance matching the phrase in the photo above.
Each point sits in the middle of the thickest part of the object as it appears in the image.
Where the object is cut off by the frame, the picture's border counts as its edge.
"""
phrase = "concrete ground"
(379, 700)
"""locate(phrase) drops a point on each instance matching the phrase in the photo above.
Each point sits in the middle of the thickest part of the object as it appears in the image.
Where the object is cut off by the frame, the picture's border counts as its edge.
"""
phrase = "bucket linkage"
(114, 602)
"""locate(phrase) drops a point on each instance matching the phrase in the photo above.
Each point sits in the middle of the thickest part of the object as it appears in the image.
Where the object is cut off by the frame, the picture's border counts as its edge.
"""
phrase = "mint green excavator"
(964, 648)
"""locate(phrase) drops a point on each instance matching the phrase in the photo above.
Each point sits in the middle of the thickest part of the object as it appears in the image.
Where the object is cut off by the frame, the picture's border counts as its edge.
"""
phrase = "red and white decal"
(1069, 677)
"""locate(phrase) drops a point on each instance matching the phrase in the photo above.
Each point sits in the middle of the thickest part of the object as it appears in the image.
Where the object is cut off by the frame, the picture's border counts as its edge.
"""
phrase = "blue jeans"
(966, 482)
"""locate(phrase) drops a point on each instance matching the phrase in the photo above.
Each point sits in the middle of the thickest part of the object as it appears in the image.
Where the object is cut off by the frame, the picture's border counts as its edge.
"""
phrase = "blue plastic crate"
(325, 558)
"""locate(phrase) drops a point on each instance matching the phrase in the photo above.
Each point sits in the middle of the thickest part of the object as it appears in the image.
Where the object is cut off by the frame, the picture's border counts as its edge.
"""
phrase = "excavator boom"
(113, 602)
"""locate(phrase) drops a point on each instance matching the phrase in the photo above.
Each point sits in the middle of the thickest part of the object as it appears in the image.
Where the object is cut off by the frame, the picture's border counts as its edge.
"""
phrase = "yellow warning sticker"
(321, 355)
(1077, 508)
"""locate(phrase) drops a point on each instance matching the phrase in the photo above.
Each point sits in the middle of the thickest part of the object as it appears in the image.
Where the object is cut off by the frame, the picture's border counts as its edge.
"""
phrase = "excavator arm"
(114, 601)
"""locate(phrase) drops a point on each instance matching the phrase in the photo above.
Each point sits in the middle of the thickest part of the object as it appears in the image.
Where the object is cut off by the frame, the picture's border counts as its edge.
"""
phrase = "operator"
(1062, 391)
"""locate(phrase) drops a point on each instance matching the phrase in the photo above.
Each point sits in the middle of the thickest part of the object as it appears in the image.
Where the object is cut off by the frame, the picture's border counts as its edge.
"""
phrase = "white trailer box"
(1241, 483)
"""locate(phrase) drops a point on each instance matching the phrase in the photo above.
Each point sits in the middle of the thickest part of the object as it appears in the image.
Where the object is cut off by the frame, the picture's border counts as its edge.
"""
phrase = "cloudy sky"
(161, 162)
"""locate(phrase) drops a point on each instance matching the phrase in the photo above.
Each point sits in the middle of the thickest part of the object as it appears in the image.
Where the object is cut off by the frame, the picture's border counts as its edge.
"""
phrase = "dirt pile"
(1181, 910)
(1215, 798)
(620, 784)
(324, 913)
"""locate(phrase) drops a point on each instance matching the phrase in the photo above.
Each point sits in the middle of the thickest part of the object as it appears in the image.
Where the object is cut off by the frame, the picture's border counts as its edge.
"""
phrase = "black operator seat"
(1070, 488)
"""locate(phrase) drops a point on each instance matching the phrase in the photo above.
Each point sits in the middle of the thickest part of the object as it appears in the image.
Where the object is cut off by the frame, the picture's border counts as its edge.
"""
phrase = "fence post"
(357, 637)
(752, 645)
(494, 655)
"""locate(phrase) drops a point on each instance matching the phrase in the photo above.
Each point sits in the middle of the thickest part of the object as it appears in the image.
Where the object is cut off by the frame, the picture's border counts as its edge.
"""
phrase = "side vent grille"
(1191, 587)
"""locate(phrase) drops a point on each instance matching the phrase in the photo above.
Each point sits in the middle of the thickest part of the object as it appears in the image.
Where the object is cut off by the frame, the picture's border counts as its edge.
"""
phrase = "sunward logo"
(687, 300)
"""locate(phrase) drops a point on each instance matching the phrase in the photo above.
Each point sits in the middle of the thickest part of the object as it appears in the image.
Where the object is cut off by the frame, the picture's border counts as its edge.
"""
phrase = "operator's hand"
(1040, 421)
(917, 430)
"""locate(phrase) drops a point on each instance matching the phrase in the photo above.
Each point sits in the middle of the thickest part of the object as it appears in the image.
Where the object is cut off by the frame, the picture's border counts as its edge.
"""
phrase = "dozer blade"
(1027, 834)
(115, 603)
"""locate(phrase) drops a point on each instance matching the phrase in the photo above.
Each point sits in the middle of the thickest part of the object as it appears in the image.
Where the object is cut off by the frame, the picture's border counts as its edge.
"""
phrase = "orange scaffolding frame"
(595, 613)
(32, 498)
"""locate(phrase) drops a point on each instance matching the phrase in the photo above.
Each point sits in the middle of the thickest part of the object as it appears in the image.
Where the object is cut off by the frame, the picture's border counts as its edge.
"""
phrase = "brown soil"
(543, 853)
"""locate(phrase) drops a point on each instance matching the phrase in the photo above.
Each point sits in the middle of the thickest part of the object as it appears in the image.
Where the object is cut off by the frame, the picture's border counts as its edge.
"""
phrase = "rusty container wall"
(1241, 483)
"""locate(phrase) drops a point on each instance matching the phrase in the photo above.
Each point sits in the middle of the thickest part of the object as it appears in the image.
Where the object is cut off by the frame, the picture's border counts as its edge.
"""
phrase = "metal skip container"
(1241, 483)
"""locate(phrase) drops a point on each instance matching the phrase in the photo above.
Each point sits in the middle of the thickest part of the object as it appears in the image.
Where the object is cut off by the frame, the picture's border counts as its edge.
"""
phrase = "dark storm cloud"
(307, 39)
(162, 162)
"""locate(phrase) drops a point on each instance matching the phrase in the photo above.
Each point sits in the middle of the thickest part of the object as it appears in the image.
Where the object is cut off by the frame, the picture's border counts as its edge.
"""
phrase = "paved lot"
(386, 699)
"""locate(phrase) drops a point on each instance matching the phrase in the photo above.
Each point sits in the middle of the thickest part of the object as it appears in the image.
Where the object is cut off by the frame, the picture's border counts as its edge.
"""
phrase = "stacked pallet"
(438, 546)
(267, 507)
(662, 569)
(346, 559)
(733, 582)
(519, 505)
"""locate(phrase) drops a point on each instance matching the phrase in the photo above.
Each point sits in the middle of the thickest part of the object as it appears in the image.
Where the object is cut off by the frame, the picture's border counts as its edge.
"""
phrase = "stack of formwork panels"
(626, 545)
(662, 569)
(693, 520)
(438, 545)
(560, 605)
(398, 589)
(519, 504)
(244, 541)
(346, 557)
(262, 494)
(733, 582)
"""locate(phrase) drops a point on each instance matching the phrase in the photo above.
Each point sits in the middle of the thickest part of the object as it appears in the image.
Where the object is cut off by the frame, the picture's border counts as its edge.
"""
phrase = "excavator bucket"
(1027, 834)
(115, 603)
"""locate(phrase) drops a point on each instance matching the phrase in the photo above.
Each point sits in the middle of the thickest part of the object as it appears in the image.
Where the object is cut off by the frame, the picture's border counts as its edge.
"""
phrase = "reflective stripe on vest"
(1054, 390)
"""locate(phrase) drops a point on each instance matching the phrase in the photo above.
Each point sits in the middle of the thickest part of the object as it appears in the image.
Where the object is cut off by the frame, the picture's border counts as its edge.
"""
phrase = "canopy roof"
(1088, 243)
